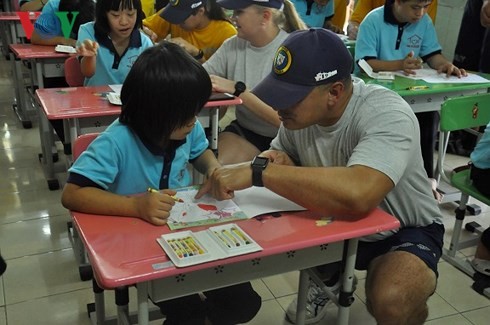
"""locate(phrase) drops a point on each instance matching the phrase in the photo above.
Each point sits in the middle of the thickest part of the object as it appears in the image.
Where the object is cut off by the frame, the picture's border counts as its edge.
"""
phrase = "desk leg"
(21, 104)
(99, 302)
(122, 301)
(143, 309)
(214, 115)
(304, 283)
(47, 141)
(346, 297)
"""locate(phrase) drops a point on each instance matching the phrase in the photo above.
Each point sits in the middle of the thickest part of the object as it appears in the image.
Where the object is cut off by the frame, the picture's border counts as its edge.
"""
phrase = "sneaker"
(317, 302)
(482, 266)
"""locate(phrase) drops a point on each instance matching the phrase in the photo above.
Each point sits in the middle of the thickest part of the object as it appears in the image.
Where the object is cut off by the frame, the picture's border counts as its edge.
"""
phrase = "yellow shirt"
(148, 7)
(363, 7)
(208, 39)
(340, 8)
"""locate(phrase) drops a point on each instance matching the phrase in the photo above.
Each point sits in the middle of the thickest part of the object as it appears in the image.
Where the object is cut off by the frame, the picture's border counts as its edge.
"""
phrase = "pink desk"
(87, 110)
(10, 22)
(48, 63)
(124, 252)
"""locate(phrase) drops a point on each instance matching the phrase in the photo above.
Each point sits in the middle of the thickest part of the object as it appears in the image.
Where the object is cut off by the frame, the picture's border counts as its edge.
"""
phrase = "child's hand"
(151, 34)
(410, 63)
(155, 207)
(88, 48)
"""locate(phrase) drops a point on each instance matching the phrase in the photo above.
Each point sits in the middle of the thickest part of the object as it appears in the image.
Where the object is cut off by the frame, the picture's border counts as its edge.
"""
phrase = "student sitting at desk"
(48, 29)
(241, 63)
(152, 144)
(317, 13)
(400, 36)
(363, 7)
(333, 147)
(200, 26)
(110, 45)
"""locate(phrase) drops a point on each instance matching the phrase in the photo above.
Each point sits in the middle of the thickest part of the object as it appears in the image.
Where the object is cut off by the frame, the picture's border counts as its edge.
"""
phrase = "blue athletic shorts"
(424, 242)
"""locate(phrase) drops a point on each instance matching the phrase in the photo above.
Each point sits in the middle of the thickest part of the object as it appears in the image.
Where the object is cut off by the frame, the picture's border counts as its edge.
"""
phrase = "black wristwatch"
(199, 55)
(240, 87)
(258, 165)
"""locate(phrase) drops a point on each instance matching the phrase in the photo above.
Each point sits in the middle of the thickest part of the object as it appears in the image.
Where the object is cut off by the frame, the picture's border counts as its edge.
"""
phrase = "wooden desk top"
(80, 102)
(30, 51)
(13, 16)
(124, 251)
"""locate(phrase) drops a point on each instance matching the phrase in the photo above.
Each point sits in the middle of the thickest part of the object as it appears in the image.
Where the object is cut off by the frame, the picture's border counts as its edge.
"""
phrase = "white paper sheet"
(431, 76)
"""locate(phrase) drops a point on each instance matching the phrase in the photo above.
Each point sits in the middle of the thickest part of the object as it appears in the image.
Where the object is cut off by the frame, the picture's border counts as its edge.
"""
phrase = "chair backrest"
(73, 73)
(465, 112)
(460, 113)
(82, 142)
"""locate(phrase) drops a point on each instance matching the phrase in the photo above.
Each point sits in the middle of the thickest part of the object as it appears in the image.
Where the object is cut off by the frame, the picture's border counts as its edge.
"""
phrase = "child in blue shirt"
(316, 13)
(110, 45)
(151, 145)
(48, 29)
(400, 36)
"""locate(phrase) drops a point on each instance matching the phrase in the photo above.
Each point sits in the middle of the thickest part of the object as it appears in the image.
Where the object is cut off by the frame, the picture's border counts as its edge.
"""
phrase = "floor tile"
(34, 236)
(478, 316)
(456, 319)
(455, 288)
(283, 284)
(41, 275)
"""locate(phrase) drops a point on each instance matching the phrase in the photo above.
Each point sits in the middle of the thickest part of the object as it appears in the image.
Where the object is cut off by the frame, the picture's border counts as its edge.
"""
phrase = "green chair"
(460, 113)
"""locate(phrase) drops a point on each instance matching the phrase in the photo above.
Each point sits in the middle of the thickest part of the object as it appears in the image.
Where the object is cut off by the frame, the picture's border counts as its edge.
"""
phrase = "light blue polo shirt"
(48, 25)
(110, 68)
(481, 155)
(382, 37)
(119, 162)
(316, 15)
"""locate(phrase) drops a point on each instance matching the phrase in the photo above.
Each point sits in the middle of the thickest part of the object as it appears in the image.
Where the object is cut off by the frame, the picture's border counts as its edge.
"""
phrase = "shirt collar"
(105, 40)
(157, 151)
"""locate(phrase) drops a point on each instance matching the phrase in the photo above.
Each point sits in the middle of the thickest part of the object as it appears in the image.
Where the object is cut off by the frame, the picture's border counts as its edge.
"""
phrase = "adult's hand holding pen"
(155, 206)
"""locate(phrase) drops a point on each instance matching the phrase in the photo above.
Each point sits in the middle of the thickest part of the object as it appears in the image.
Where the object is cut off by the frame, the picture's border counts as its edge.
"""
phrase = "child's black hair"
(104, 6)
(163, 91)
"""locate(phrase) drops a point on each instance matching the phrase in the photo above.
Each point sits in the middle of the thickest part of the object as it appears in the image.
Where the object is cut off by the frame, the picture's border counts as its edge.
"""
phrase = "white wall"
(448, 21)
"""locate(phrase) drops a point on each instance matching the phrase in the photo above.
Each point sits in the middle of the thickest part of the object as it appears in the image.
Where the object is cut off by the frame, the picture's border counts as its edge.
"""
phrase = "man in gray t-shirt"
(349, 147)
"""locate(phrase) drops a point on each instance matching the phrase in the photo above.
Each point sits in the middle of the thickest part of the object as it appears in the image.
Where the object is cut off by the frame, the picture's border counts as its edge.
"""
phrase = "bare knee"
(398, 287)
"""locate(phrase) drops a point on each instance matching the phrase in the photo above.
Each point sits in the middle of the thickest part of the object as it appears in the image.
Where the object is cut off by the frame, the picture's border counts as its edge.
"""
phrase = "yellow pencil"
(176, 199)
(240, 234)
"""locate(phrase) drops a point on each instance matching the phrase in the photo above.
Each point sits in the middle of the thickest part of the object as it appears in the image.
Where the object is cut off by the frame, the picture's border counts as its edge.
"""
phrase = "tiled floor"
(42, 286)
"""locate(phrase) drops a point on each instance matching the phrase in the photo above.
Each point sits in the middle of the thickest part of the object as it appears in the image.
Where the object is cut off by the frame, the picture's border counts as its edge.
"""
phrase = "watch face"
(240, 86)
(260, 161)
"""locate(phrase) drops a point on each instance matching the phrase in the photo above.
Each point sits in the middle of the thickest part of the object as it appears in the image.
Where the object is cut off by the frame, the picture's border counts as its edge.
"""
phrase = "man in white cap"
(349, 147)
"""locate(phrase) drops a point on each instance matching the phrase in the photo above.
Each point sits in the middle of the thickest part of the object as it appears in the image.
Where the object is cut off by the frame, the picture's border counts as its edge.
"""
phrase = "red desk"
(124, 252)
(87, 110)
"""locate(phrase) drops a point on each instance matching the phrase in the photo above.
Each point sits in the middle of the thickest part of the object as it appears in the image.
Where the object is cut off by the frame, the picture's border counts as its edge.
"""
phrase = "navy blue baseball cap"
(176, 11)
(240, 4)
(306, 59)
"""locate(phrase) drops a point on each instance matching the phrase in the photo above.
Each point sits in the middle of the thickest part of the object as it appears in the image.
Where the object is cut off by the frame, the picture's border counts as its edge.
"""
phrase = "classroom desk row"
(87, 110)
(124, 252)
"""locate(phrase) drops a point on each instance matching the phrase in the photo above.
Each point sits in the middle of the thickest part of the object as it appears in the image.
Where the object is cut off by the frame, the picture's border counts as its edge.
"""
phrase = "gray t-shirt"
(378, 129)
(237, 60)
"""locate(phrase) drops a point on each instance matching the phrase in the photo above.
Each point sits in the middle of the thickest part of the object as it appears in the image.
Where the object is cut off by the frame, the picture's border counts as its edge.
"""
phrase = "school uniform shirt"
(119, 162)
(315, 15)
(363, 7)
(110, 67)
(382, 37)
(480, 157)
(208, 39)
(358, 138)
(48, 25)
